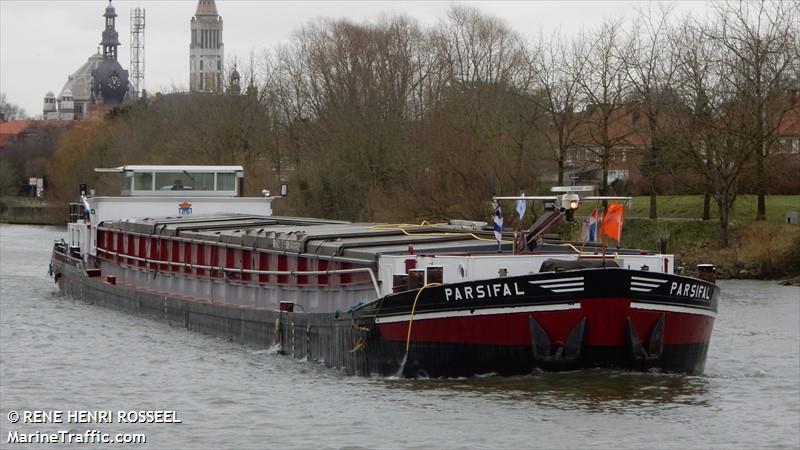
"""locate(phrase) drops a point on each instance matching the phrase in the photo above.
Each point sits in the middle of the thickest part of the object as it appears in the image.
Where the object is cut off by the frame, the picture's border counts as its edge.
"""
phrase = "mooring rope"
(414, 308)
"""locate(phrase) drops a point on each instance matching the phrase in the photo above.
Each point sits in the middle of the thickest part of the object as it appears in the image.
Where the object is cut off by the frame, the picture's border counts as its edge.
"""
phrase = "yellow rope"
(361, 344)
(402, 227)
(581, 253)
(414, 308)
(572, 247)
(424, 223)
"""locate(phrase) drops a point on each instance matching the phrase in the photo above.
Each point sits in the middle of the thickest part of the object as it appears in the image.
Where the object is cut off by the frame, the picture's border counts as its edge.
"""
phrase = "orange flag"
(612, 222)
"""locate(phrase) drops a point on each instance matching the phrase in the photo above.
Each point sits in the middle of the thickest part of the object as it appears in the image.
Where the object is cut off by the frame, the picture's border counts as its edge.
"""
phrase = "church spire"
(206, 8)
(110, 40)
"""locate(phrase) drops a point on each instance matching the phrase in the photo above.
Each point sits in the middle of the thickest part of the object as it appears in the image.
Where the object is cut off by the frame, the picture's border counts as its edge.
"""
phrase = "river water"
(61, 354)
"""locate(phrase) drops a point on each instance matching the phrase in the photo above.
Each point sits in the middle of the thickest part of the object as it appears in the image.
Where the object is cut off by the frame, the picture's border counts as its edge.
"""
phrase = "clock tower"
(109, 79)
(206, 50)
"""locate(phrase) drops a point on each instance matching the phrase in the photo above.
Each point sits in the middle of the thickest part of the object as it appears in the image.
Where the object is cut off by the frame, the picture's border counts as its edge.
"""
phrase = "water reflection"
(596, 390)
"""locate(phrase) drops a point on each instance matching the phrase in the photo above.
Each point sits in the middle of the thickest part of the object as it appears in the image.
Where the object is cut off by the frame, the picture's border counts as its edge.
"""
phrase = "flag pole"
(602, 235)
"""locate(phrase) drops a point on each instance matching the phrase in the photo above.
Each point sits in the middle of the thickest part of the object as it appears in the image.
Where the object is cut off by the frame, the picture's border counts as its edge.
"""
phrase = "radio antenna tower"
(137, 50)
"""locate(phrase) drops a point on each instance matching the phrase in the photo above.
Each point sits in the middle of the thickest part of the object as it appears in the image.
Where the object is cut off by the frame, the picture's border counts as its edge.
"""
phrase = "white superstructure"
(166, 191)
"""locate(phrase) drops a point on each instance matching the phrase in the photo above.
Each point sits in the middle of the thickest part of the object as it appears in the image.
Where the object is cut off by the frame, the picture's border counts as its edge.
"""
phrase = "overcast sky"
(42, 42)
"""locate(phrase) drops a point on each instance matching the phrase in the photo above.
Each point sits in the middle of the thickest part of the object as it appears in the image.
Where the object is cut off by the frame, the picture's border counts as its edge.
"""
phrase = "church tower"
(109, 79)
(110, 40)
(206, 51)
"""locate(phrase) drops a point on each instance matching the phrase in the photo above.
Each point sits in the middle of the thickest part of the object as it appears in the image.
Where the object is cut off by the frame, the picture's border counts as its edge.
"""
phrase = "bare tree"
(760, 40)
(10, 111)
(603, 83)
(482, 133)
(551, 62)
(714, 127)
(650, 67)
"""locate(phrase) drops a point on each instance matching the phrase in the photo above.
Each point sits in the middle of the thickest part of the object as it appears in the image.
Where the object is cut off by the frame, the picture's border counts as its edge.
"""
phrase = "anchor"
(556, 354)
(636, 347)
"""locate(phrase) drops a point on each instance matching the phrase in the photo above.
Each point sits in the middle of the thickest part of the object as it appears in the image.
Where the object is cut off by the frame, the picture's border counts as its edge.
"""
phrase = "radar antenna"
(137, 50)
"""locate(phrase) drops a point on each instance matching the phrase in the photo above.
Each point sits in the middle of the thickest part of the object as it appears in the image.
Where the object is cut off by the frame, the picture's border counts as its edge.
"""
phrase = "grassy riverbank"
(759, 249)
(32, 211)
(690, 207)
(767, 250)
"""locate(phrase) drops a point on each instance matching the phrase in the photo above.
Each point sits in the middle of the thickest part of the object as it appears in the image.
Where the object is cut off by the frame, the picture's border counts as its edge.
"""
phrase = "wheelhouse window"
(143, 181)
(226, 181)
(164, 181)
(185, 181)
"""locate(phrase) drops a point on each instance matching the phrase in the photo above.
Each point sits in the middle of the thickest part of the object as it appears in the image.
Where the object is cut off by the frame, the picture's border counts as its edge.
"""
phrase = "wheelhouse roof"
(175, 168)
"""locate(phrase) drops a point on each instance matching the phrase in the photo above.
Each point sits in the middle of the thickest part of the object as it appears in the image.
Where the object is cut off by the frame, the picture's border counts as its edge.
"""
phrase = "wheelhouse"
(186, 181)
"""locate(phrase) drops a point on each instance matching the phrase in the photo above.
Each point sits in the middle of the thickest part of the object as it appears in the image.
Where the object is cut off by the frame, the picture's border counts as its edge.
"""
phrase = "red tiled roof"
(12, 129)
(15, 129)
(790, 122)
(626, 127)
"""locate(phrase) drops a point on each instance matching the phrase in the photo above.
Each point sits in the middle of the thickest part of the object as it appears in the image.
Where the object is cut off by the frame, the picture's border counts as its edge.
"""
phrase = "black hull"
(461, 360)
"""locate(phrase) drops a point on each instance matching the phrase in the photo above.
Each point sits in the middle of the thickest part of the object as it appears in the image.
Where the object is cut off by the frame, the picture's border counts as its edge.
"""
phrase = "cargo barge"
(437, 300)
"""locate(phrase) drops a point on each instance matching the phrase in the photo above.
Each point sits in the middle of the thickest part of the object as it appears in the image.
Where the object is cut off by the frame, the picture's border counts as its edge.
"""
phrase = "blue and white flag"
(593, 222)
(521, 205)
(498, 222)
(86, 208)
(590, 226)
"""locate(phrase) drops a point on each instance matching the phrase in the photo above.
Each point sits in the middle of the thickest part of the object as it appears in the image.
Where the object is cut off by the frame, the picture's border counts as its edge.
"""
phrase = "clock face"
(114, 81)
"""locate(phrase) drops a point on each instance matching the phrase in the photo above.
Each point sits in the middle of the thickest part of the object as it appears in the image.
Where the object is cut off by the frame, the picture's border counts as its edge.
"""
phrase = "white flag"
(521, 205)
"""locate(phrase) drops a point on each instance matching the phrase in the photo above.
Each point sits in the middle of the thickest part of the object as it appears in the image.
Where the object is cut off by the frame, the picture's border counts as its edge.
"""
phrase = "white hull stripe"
(479, 312)
(634, 288)
(536, 308)
(673, 308)
(644, 285)
(568, 290)
(557, 280)
(649, 280)
(559, 285)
